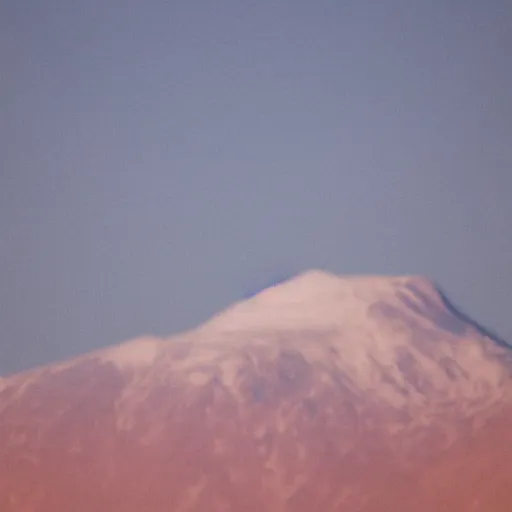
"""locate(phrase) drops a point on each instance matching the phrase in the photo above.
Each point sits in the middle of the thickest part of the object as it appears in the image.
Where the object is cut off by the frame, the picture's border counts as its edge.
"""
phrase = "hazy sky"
(161, 159)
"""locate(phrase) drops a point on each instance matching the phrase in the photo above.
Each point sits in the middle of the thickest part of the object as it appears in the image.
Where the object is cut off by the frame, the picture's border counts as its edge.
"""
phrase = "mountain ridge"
(360, 393)
(363, 323)
(324, 281)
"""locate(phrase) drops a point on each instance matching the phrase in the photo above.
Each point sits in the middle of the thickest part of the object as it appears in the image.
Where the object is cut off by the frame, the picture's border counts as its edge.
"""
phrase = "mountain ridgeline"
(357, 393)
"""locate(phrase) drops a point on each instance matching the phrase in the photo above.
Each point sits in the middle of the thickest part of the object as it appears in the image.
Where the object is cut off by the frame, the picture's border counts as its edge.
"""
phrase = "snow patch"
(140, 351)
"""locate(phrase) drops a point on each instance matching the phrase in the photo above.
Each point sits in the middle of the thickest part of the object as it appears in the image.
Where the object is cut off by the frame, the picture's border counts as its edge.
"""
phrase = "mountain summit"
(357, 393)
(319, 299)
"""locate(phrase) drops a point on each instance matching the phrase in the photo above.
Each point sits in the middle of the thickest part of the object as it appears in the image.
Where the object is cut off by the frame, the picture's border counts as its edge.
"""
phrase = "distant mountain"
(321, 393)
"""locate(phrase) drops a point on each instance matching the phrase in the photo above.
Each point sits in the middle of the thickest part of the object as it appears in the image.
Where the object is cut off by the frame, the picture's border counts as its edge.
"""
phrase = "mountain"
(326, 393)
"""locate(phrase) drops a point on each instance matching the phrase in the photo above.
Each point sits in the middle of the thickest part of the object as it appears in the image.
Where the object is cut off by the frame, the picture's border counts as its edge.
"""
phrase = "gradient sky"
(160, 160)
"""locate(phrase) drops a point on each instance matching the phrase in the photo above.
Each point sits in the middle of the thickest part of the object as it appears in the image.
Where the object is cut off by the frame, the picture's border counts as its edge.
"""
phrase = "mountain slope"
(323, 392)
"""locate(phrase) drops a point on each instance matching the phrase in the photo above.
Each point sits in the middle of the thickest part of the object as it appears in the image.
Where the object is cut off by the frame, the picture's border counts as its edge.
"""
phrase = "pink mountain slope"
(322, 393)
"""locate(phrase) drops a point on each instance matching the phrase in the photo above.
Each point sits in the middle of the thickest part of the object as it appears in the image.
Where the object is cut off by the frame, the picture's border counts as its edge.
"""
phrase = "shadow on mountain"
(454, 310)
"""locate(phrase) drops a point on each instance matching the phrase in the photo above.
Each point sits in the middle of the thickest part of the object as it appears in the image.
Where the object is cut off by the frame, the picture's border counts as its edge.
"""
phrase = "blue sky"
(160, 161)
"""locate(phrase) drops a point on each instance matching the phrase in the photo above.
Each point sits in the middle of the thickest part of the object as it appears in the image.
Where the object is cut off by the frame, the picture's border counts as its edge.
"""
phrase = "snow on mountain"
(341, 393)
